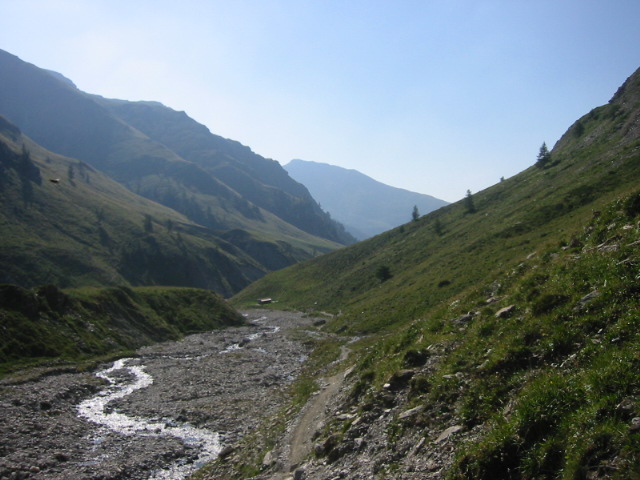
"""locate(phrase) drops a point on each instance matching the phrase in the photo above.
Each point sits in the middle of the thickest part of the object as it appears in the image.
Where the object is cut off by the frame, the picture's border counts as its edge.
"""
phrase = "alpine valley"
(109, 192)
(496, 337)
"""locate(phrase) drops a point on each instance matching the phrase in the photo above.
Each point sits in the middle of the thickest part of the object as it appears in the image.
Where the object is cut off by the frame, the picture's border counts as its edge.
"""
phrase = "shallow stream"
(157, 416)
(125, 377)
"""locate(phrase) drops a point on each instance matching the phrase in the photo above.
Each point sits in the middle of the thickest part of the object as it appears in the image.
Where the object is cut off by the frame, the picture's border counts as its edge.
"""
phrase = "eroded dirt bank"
(225, 381)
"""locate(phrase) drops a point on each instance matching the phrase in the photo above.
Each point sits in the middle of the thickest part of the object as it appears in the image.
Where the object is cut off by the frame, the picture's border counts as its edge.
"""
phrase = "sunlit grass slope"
(448, 251)
(527, 303)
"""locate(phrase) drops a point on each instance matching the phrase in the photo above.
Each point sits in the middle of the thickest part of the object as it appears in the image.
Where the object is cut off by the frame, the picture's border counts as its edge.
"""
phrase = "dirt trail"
(299, 442)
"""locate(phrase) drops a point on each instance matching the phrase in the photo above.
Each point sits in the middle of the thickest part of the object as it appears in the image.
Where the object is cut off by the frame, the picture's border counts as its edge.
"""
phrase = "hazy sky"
(435, 96)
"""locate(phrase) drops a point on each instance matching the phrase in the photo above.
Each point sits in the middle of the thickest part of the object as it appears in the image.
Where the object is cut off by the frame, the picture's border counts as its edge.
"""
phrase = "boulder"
(411, 412)
(400, 379)
(506, 312)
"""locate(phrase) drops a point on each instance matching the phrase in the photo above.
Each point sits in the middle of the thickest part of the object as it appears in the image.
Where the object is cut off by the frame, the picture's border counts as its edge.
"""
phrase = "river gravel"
(159, 415)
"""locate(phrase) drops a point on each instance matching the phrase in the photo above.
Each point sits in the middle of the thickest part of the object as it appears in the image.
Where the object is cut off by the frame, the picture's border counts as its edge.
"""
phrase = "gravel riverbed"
(220, 384)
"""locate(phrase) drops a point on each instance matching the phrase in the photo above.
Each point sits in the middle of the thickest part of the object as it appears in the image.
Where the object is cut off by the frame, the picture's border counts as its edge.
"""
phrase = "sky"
(433, 96)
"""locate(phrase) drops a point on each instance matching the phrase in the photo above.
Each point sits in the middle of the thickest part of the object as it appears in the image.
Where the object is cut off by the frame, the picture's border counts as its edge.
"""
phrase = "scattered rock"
(418, 446)
(343, 417)
(448, 433)
(330, 443)
(588, 298)
(268, 459)
(400, 379)
(318, 450)
(506, 311)
(462, 319)
(415, 358)
(411, 412)
(226, 451)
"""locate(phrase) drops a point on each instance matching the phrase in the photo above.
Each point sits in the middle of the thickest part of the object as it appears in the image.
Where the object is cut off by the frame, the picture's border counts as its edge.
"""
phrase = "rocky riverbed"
(218, 386)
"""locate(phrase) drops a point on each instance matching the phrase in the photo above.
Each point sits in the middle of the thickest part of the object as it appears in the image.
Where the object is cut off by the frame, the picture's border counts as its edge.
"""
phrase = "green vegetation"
(415, 214)
(91, 231)
(556, 382)
(54, 326)
(528, 311)
(544, 156)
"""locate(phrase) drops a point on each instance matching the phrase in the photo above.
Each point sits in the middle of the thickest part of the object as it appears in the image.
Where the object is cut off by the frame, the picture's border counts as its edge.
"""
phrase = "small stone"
(267, 461)
(400, 379)
(61, 457)
(411, 412)
(505, 312)
(467, 317)
(419, 445)
(586, 299)
(226, 451)
(448, 432)
(431, 466)
(344, 417)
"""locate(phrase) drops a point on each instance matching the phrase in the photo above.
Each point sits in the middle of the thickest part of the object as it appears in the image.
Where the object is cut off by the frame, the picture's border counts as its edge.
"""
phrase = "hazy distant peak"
(59, 76)
(363, 205)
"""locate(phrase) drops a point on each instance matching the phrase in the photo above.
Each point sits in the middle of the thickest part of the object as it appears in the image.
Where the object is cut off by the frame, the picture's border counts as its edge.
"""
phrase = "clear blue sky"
(435, 96)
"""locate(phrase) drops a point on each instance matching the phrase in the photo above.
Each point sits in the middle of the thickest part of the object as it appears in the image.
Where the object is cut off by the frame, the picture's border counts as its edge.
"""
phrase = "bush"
(383, 273)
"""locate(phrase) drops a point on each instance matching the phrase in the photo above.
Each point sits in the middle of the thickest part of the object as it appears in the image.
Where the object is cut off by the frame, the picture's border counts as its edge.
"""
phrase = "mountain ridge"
(73, 123)
(365, 206)
(66, 223)
(221, 193)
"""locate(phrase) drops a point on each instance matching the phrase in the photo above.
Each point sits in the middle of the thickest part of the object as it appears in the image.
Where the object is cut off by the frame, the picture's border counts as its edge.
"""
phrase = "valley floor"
(226, 381)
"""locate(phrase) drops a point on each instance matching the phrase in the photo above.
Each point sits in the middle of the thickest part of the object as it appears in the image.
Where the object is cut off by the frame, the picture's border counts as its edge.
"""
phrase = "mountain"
(496, 337)
(163, 155)
(66, 223)
(363, 205)
(258, 181)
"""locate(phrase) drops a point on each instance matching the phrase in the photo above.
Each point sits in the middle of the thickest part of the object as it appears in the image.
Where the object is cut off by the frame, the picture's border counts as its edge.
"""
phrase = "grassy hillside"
(165, 156)
(50, 324)
(260, 181)
(450, 250)
(66, 223)
(511, 316)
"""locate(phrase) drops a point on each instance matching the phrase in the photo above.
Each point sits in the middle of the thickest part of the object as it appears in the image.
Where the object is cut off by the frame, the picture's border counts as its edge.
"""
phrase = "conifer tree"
(468, 203)
(415, 215)
(544, 156)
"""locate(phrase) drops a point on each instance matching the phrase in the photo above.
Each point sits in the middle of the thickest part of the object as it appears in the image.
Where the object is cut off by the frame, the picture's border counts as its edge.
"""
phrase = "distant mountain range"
(228, 198)
(363, 205)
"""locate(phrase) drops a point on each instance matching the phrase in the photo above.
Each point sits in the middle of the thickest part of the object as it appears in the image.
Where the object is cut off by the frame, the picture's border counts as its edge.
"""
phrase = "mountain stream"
(157, 416)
